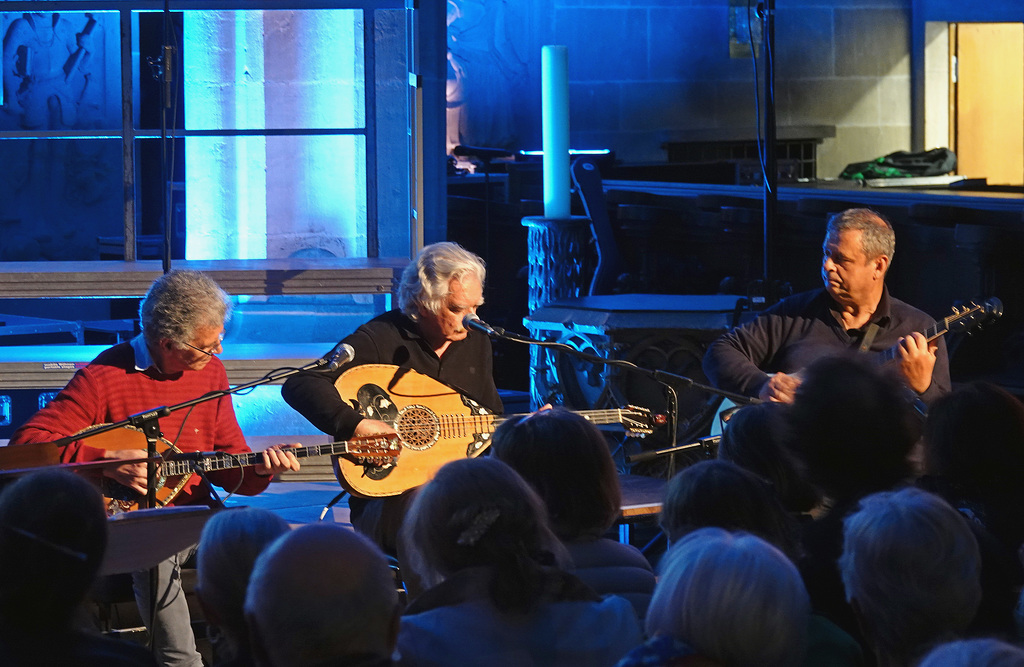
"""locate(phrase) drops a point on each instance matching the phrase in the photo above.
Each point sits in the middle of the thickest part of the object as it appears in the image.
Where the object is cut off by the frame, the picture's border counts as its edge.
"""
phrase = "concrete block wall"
(643, 72)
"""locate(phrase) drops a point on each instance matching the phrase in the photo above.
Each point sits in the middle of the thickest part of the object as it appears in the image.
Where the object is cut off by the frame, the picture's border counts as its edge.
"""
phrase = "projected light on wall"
(274, 195)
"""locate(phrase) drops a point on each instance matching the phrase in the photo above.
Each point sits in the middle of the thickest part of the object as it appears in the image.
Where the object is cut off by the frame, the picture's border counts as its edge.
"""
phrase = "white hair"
(912, 564)
(974, 653)
(733, 598)
(426, 281)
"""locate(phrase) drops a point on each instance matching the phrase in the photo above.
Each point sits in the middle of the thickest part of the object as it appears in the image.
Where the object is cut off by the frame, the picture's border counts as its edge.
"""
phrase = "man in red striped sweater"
(171, 362)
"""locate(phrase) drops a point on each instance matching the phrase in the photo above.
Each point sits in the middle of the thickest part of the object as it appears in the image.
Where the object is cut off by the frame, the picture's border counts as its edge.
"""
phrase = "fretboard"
(937, 329)
(222, 461)
(613, 416)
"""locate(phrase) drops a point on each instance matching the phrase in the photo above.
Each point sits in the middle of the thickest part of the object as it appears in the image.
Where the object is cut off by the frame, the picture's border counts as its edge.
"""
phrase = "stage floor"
(298, 502)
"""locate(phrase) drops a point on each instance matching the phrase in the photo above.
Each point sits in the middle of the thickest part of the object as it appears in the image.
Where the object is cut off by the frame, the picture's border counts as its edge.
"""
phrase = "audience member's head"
(974, 653)
(754, 439)
(852, 427)
(53, 534)
(481, 513)
(911, 570)
(974, 442)
(566, 460)
(733, 598)
(720, 494)
(321, 595)
(230, 543)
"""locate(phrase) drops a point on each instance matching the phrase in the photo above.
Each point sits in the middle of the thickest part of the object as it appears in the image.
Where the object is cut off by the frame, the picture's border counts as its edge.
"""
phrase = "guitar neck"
(599, 417)
(223, 461)
(937, 329)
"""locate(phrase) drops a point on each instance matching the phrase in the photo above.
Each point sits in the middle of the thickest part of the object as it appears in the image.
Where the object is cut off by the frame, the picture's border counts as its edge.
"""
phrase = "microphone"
(340, 355)
(471, 321)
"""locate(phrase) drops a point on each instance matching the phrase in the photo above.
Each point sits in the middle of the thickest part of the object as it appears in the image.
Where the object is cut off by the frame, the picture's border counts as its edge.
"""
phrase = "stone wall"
(643, 72)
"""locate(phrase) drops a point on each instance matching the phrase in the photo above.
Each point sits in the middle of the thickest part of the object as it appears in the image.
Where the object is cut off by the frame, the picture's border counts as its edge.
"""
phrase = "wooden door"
(988, 100)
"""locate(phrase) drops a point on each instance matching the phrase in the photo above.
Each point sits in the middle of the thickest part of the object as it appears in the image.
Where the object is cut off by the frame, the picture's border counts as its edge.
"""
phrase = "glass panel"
(252, 70)
(59, 197)
(61, 71)
(278, 196)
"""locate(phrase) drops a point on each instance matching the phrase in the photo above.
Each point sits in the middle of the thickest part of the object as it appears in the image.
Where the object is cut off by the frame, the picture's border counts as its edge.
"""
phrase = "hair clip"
(481, 522)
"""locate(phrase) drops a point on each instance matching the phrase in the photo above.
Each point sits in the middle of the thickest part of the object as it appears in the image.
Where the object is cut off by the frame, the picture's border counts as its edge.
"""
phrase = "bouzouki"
(175, 474)
(435, 424)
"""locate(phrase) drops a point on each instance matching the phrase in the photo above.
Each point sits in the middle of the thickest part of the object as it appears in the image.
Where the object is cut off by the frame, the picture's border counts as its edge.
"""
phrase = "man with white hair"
(439, 288)
(442, 285)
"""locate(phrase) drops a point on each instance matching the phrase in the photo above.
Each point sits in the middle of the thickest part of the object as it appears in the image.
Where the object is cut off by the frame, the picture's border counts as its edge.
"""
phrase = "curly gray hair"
(180, 302)
(426, 280)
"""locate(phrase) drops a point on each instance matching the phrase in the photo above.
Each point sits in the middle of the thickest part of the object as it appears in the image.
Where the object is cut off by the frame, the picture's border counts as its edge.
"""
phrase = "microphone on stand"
(340, 355)
(471, 321)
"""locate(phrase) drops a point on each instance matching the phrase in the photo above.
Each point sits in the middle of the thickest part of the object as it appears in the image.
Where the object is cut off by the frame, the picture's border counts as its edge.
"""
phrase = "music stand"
(142, 539)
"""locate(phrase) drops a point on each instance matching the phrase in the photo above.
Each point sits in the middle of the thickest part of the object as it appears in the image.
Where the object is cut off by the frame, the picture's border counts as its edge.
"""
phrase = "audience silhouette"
(322, 595)
(53, 535)
(478, 536)
(567, 462)
(730, 598)
(911, 570)
(230, 543)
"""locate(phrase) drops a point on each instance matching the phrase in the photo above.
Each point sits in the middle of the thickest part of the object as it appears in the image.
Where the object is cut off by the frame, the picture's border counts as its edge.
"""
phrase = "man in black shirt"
(442, 285)
(853, 311)
(439, 288)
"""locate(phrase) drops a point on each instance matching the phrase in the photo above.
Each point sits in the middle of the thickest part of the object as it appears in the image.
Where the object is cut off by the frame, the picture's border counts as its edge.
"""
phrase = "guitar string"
(448, 425)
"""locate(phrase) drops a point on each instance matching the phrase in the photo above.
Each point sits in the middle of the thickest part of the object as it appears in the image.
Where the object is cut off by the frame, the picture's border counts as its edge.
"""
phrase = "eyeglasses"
(210, 352)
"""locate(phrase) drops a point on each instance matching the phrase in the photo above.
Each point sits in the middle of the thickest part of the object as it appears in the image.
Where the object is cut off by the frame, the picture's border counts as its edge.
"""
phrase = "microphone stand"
(149, 421)
(669, 380)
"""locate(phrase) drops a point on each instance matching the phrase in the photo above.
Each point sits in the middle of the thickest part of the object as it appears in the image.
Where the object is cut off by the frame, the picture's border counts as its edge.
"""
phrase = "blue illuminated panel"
(45, 397)
(283, 69)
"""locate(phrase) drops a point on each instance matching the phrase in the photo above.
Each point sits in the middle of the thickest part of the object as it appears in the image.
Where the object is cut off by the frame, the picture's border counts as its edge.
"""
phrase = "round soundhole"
(418, 427)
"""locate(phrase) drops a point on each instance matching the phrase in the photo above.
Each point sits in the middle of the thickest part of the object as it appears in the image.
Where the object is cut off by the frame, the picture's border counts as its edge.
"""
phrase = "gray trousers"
(171, 629)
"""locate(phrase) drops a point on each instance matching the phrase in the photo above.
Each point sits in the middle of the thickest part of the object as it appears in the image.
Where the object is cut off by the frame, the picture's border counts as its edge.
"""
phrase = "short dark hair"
(974, 446)
(755, 439)
(53, 534)
(721, 494)
(852, 426)
(566, 460)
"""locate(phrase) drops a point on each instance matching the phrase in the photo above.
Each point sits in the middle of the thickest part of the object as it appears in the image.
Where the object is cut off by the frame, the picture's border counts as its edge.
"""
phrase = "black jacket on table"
(393, 338)
(804, 327)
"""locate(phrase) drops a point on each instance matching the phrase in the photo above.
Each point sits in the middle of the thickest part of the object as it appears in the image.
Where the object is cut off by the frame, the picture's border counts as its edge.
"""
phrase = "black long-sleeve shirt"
(393, 338)
(803, 328)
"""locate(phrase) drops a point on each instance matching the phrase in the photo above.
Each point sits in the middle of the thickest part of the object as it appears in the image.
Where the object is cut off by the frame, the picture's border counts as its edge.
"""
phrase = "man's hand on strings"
(780, 388)
(917, 360)
(277, 459)
(372, 427)
(132, 475)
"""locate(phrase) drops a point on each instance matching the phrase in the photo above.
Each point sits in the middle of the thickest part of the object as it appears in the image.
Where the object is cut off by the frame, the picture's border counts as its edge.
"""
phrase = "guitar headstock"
(377, 449)
(970, 316)
(639, 422)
